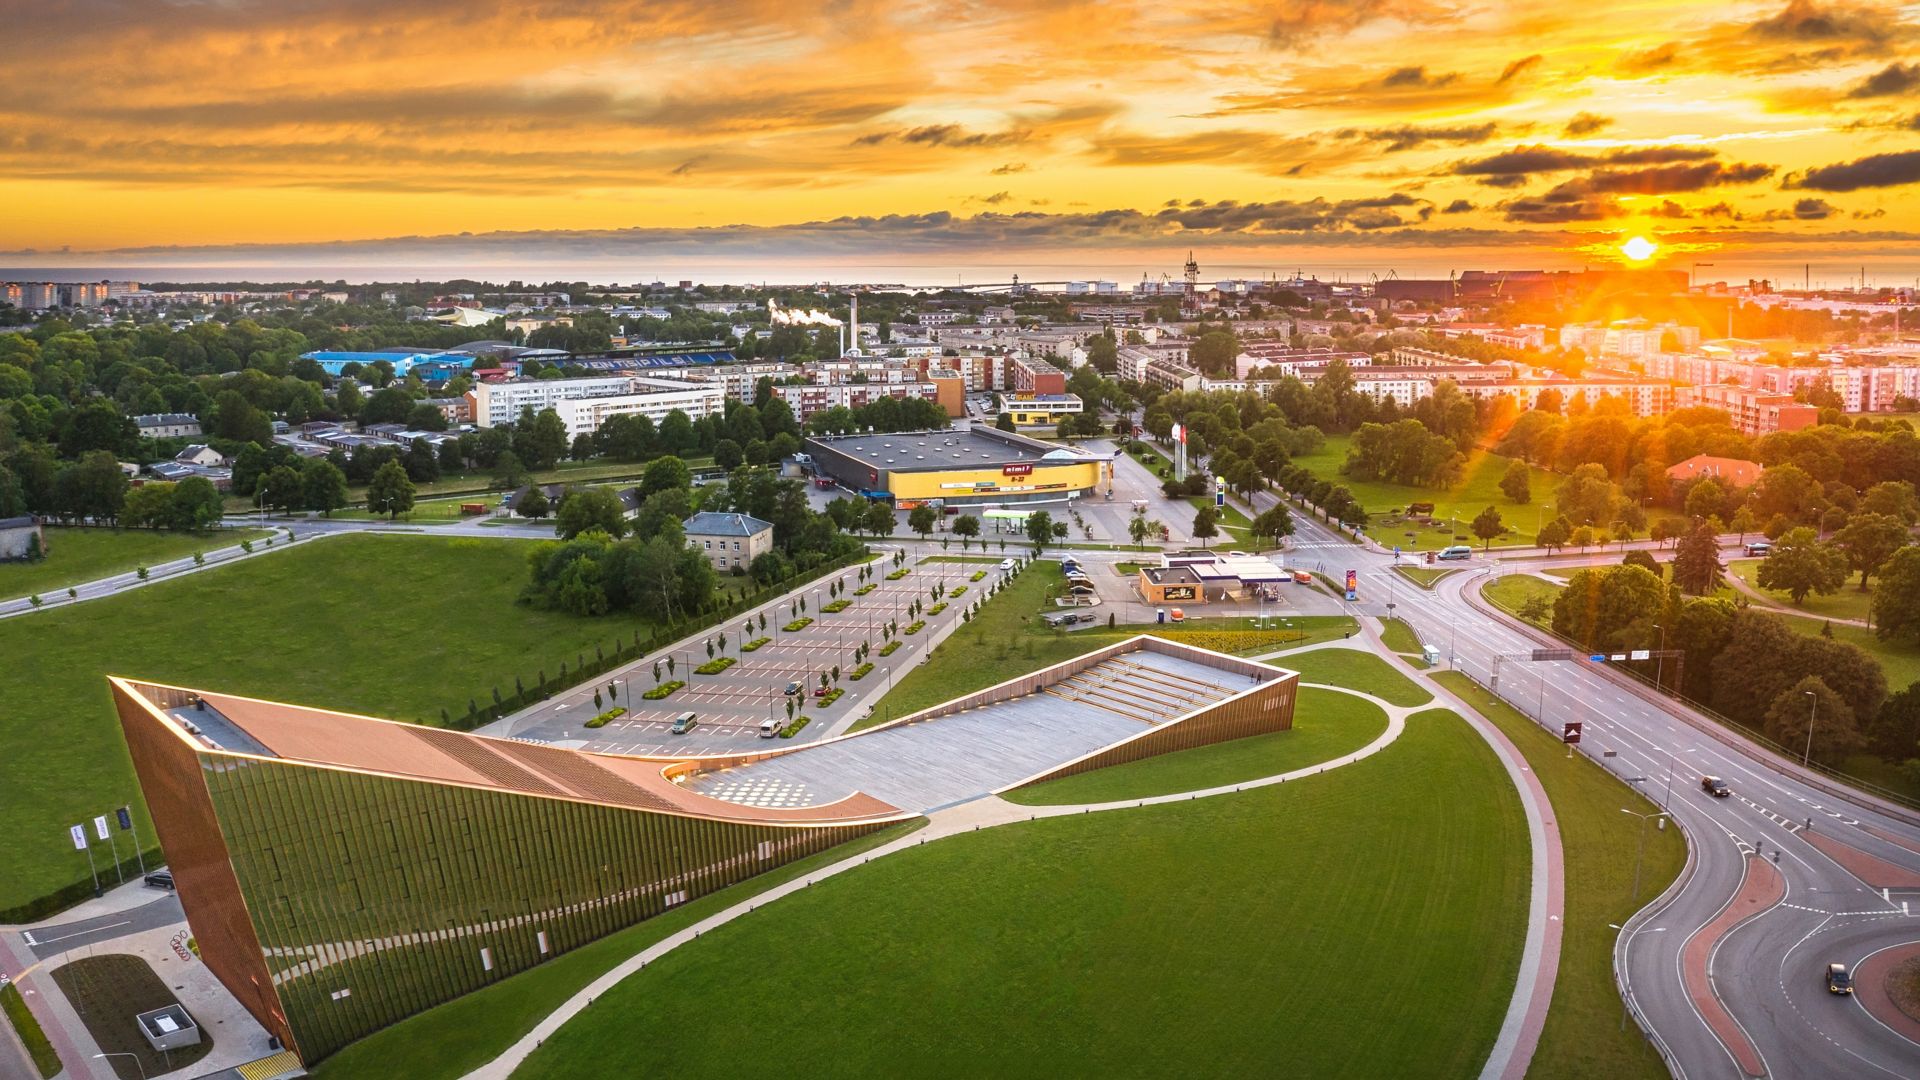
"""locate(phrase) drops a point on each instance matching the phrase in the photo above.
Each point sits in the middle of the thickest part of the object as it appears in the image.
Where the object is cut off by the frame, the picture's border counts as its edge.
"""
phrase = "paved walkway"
(116, 584)
(968, 817)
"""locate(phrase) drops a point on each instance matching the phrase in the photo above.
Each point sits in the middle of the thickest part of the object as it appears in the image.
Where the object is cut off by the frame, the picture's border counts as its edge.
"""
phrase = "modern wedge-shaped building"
(342, 872)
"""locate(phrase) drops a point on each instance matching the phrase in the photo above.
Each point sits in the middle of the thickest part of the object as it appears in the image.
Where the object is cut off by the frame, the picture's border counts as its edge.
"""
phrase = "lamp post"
(1813, 714)
(1660, 661)
(1644, 818)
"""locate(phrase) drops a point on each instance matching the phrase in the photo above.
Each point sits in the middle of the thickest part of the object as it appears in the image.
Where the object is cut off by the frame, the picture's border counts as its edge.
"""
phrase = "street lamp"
(1643, 846)
(1660, 661)
(1813, 714)
(136, 1061)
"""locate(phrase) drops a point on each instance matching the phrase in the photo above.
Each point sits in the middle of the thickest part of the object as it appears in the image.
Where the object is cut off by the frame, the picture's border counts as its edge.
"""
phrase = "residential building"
(729, 541)
(1754, 412)
(200, 454)
(584, 404)
(168, 425)
(818, 397)
(1730, 472)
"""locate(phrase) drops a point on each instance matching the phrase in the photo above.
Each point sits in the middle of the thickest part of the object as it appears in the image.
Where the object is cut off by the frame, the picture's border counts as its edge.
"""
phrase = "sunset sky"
(179, 127)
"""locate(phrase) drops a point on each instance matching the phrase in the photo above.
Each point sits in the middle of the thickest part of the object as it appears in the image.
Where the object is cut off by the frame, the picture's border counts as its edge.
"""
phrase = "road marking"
(89, 930)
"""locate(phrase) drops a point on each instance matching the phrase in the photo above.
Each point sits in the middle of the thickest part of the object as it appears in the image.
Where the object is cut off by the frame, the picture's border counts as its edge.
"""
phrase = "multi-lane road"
(1727, 969)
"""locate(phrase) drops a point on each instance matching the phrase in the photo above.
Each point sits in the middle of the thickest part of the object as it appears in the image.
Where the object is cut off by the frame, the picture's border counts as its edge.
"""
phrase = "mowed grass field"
(393, 626)
(1600, 844)
(1362, 671)
(1367, 922)
(76, 556)
(1477, 489)
(1326, 724)
(1847, 603)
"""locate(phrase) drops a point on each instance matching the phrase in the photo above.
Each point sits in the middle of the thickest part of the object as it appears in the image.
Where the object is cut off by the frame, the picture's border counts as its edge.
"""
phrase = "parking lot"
(730, 706)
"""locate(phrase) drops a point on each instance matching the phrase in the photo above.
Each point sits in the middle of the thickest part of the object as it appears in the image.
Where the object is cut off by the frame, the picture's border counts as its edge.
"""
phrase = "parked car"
(793, 688)
(160, 879)
(684, 723)
(1715, 787)
(1006, 564)
(1084, 616)
(1839, 979)
(819, 691)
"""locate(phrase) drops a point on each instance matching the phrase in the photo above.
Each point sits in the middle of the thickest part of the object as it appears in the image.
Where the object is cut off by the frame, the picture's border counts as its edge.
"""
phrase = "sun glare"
(1639, 249)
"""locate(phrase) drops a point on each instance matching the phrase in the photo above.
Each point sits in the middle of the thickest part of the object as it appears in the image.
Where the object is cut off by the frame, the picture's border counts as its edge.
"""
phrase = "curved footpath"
(1519, 1033)
(115, 584)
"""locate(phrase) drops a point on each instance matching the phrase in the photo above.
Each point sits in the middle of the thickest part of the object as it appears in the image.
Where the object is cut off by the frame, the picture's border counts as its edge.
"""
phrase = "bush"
(799, 722)
(898, 574)
(957, 590)
(665, 689)
(829, 697)
(755, 644)
(918, 625)
(836, 606)
(798, 624)
(861, 672)
(715, 667)
(937, 608)
(610, 714)
(888, 648)
(867, 588)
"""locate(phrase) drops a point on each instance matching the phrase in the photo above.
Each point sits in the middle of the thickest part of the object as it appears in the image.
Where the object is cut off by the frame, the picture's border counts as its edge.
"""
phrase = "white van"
(1458, 551)
(769, 728)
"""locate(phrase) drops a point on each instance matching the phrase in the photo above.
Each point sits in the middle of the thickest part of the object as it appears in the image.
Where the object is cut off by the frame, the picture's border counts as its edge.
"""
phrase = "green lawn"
(1848, 603)
(45, 1059)
(1901, 661)
(451, 1040)
(397, 627)
(1375, 932)
(480, 480)
(107, 992)
(1326, 724)
(1235, 527)
(1398, 636)
(1511, 592)
(1582, 1038)
(1453, 509)
(1356, 670)
(1423, 576)
(433, 511)
(76, 556)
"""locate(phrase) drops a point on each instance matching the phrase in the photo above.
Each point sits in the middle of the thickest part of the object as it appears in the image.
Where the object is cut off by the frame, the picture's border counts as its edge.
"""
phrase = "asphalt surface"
(46, 941)
(1768, 970)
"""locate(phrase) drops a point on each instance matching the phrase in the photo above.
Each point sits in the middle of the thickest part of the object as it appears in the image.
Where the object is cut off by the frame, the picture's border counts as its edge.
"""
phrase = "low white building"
(584, 404)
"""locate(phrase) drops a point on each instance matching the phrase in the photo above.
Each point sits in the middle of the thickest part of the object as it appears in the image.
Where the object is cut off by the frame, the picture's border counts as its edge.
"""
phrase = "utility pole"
(1812, 715)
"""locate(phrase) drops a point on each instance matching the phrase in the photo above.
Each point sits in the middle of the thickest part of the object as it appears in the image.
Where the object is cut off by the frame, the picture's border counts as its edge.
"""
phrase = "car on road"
(769, 728)
(1839, 979)
(1006, 564)
(684, 723)
(1301, 577)
(819, 691)
(1759, 549)
(1715, 787)
(160, 879)
(1458, 551)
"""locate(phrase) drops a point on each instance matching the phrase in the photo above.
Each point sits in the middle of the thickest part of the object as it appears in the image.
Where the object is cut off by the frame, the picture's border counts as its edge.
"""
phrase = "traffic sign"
(1570, 733)
(1598, 658)
(1553, 654)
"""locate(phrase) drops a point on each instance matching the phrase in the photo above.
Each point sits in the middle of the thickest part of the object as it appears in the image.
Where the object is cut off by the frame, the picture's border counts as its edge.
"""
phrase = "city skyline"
(1363, 133)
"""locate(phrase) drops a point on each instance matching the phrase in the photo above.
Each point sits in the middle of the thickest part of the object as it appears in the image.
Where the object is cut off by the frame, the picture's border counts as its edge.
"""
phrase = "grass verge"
(1583, 1036)
(1360, 671)
(453, 1039)
(77, 556)
(1074, 945)
(1423, 576)
(1512, 592)
(1398, 636)
(1326, 724)
(45, 1059)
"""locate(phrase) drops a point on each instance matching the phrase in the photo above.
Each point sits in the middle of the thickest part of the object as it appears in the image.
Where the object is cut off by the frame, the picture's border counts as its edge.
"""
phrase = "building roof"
(1738, 470)
(708, 523)
(17, 523)
(160, 419)
(946, 449)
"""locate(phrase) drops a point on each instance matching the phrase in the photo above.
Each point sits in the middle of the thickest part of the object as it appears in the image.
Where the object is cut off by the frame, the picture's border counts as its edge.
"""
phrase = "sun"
(1639, 249)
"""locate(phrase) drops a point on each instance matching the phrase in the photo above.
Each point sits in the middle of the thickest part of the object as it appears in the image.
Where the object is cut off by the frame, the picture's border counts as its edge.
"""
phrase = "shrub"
(888, 648)
(755, 644)
(665, 689)
(937, 608)
(918, 625)
(837, 606)
(898, 574)
(798, 624)
(978, 575)
(794, 728)
(861, 672)
(715, 667)
(611, 714)
(829, 697)
(867, 588)
(957, 590)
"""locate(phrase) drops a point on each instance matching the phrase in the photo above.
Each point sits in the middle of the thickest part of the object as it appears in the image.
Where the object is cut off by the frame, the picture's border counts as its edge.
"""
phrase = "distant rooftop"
(949, 449)
(708, 523)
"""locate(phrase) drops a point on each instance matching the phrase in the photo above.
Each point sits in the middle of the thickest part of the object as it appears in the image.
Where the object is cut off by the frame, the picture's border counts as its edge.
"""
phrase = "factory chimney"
(853, 327)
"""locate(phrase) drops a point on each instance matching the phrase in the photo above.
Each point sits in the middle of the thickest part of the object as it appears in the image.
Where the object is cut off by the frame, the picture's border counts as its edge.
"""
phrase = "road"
(1722, 995)
(163, 910)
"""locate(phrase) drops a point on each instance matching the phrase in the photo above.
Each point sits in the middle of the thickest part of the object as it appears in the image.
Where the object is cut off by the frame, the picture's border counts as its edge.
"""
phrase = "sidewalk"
(116, 584)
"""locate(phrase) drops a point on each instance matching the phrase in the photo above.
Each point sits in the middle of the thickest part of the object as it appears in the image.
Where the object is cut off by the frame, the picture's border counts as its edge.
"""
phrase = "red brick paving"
(1762, 888)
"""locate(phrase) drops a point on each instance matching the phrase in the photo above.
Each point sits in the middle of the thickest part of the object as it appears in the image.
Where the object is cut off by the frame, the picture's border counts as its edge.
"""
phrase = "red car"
(819, 691)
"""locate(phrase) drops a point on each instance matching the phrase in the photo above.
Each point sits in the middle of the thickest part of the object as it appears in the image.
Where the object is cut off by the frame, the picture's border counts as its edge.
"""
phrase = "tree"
(664, 473)
(1836, 731)
(1644, 560)
(1004, 422)
(1696, 561)
(589, 509)
(1894, 498)
(1517, 484)
(1763, 656)
(1869, 540)
(323, 486)
(921, 519)
(1487, 526)
(1895, 730)
(1039, 529)
(1743, 522)
(1140, 529)
(966, 527)
(1896, 599)
(1273, 524)
(879, 519)
(726, 454)
(1206, 525)
(1606, 607)
(508, 472)
(147, 506)
(421, 462)
(1586, 497)
(544, 443)
(534, 504)
(390, 492)
(1800, 564)
(1555, 534)
(196, 505)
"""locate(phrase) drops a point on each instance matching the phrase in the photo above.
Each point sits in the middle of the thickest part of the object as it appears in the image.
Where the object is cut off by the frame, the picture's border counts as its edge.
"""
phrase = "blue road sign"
(1598, 658)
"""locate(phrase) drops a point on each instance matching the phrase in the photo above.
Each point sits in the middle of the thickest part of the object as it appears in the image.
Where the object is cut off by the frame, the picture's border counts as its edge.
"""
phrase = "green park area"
(398, 627)
(1356, 670)
(1848, 602)
(453, 1039)
(1007, 638)
(1326, 725)
(1424, 576)
(1076, 944)
(76, 556)
(1600, 846)
(1514, 592)
(1453, 508)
